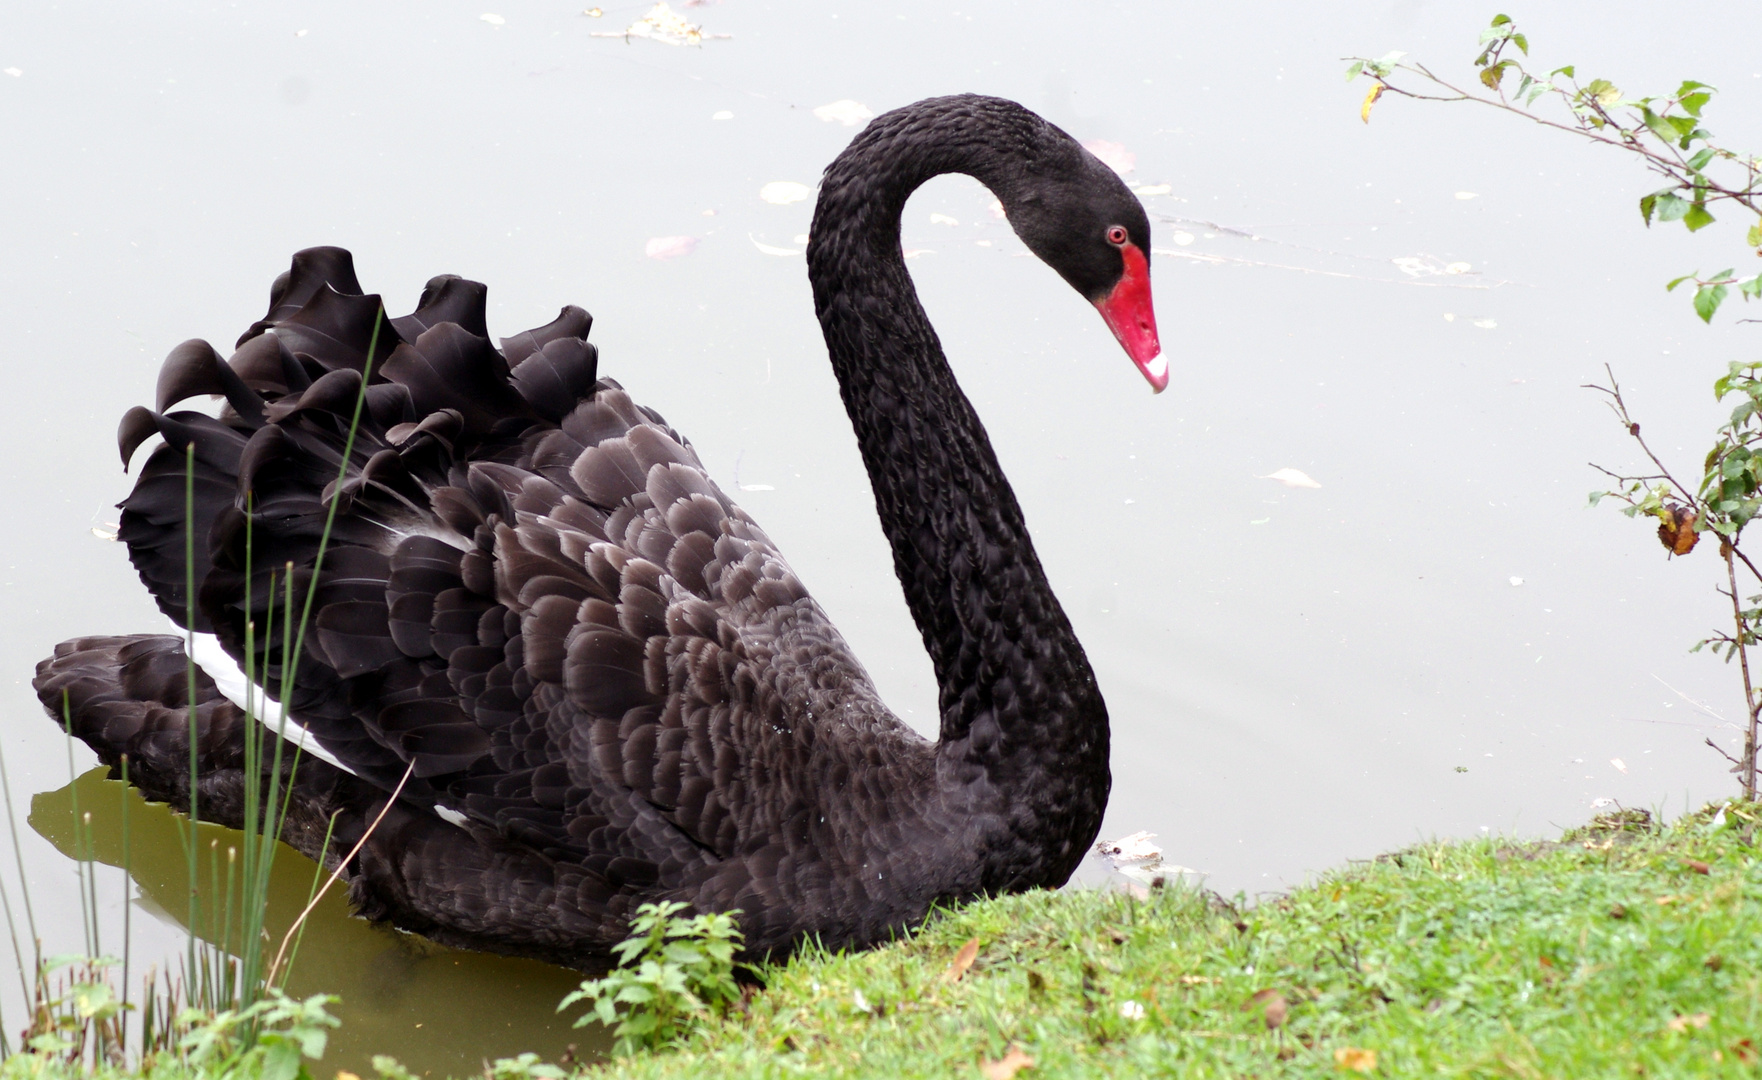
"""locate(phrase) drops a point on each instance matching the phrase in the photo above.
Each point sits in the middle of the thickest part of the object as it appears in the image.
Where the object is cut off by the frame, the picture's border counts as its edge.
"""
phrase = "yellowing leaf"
(962, 961)
(1370, 99)
(1006, 1067)
(1355, 1059)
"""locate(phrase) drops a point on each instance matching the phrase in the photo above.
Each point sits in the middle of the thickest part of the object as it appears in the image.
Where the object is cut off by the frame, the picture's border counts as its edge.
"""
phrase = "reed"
(80, 1004)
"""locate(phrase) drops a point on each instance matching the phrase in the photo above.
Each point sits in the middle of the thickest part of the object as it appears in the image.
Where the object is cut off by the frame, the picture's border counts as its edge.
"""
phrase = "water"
(1295, 675)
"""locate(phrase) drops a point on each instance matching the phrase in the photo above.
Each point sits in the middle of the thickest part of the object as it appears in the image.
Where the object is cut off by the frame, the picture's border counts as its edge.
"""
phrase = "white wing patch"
(230, 680)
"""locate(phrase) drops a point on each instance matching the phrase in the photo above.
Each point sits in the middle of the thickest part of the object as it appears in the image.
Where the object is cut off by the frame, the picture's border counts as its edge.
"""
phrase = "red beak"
(1132, 319)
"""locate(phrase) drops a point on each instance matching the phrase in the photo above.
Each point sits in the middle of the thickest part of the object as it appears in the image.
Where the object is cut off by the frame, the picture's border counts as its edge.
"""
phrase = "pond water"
(1297, 676)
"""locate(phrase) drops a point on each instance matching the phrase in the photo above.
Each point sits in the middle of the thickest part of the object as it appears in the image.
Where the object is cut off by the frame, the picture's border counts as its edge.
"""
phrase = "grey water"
(1438, 640)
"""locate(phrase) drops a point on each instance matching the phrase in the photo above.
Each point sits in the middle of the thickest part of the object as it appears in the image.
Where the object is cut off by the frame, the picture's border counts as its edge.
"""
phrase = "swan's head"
(1082, 220)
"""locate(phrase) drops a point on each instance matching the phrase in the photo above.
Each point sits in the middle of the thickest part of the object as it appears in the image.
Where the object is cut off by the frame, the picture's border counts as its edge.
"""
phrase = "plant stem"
(1747, 764)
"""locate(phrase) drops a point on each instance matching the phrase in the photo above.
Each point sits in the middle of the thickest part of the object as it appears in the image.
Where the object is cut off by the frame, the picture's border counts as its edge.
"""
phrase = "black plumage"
(605, 683)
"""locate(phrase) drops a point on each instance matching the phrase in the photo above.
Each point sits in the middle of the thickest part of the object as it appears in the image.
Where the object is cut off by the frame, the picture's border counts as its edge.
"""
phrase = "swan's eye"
(1116, 236)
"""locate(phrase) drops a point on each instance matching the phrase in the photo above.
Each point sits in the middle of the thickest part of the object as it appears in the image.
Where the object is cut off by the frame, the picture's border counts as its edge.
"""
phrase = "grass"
(1622, 950)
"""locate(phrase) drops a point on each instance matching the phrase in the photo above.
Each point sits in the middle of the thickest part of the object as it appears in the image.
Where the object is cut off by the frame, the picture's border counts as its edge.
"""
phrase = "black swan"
(596, 679)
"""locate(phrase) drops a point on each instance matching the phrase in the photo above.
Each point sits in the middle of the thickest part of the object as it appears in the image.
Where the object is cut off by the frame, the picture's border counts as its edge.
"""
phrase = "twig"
(275, 967)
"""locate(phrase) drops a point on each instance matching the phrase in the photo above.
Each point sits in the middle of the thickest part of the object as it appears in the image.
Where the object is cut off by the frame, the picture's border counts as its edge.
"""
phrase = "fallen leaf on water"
(784, 192)
(1273, 1004)
(107, 530)
(1355, 1059)
(1516, 582)
(1370, 99)
(493, 19)
(670, 247)
(593, 13)
(1598, 804)
(1183, 238)
(1466, 195)
(1486, 324)
(912, 253)
(1006, 1067)
(1291, 478)
(1683, 1023)
(1152, 189)
(722, 114)
(844, 111)
(1620, 765)
(1459, 268)
(664, 25)
(1134, 848)
(942, 219)
(771, 249)
(962, 961)
(1112, 154)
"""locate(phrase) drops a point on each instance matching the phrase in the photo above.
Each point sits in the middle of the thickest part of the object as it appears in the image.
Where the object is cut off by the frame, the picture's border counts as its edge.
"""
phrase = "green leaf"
(1603, 92)
(1501, 20)
(1568, 71)
(1658, 126)
(1701, 158)
(1671, 206)
(1678, 281)
(1751, 287)
(1754, 236)
(1697, 218)
(1707, 301)
(1521, 42)
(1693, 103)
(1355, 70)
(1492, 76)
(1647, 203)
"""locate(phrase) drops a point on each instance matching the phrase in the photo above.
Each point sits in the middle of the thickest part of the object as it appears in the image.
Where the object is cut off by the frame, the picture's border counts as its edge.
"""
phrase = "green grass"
(1607, 953)
(1603, 954)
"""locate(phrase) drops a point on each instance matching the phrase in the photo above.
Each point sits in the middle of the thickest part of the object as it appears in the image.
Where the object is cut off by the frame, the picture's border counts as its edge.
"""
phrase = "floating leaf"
(942, 219)
(594, 13)
(1291, 478)
(1006, 1067)
(844, 111)
(1516, 582)
(107, 530)
(784, 192)
(1620, 765)
(670, 247)
(493, 19)
(1112, 154)
(1152, 189)
(1355, 1059)
(962, 961)
(771, 249)
(664, 25)
(1183, 238)
(1487, 324)
(722, 114)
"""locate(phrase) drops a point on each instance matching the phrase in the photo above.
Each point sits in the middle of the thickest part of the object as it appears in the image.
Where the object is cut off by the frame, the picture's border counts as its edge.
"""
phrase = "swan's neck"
(1018, 700)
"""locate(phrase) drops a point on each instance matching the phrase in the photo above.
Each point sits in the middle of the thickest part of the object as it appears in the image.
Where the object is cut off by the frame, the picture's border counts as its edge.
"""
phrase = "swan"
(566, 672)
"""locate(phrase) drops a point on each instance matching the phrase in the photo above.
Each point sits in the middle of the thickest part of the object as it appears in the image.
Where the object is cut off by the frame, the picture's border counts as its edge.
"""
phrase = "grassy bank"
(1622, 949)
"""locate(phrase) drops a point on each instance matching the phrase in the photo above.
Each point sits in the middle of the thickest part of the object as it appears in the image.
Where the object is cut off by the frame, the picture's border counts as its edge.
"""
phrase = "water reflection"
(441, 1011)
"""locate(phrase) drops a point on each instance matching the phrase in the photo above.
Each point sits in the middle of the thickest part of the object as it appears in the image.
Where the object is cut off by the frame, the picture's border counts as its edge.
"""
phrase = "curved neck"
(1014, 680)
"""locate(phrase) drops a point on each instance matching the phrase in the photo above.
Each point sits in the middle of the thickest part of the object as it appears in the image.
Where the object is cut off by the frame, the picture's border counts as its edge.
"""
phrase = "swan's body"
(596, 678)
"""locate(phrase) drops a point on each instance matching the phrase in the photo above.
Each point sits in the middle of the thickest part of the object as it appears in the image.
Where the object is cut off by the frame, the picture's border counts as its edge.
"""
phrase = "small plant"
(671, 970)
(269, 1039)
(1665, 132)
